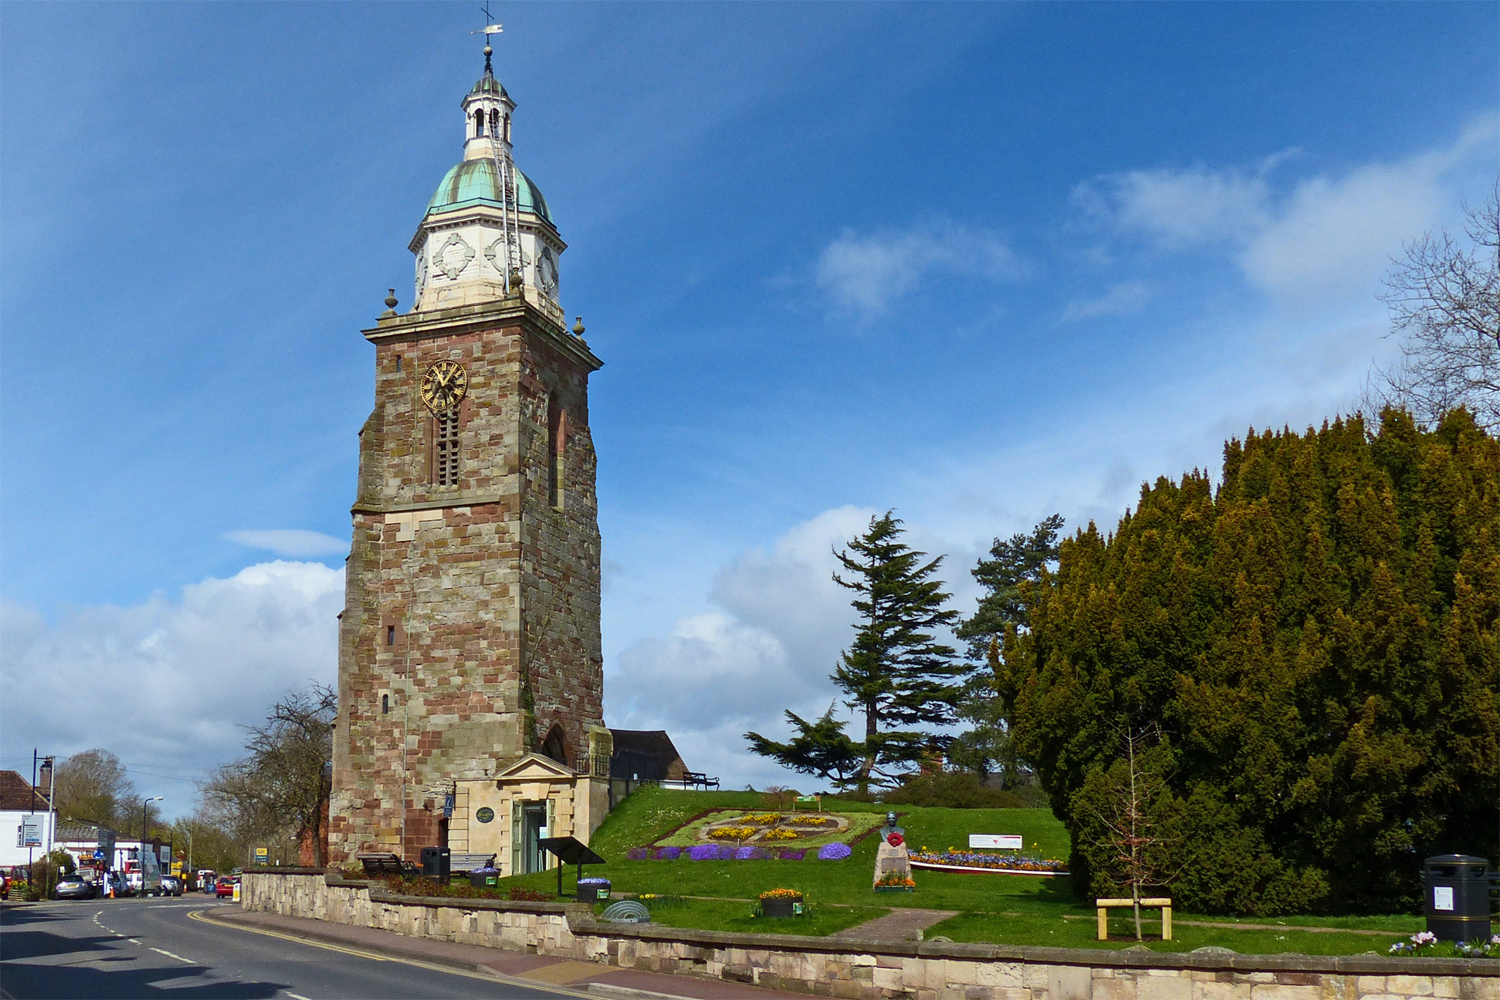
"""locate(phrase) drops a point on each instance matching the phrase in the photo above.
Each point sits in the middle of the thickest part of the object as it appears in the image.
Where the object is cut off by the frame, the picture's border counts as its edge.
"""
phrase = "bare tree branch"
(1444, 302)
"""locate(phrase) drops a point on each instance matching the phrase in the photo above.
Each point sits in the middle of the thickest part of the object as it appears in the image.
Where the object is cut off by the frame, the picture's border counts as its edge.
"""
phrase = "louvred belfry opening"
(445, 448)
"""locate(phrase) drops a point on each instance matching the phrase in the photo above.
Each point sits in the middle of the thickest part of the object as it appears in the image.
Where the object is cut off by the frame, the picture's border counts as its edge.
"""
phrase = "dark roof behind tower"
(15, 792)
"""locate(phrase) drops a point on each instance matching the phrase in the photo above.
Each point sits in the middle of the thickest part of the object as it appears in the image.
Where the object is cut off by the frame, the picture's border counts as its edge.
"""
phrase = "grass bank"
(1000, 909)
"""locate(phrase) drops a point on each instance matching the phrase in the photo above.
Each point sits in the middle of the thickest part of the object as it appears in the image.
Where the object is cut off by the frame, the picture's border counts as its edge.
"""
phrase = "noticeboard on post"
(1001, 841)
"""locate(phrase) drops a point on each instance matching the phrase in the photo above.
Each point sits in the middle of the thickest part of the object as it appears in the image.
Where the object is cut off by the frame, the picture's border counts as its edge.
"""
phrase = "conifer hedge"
(1313, 649)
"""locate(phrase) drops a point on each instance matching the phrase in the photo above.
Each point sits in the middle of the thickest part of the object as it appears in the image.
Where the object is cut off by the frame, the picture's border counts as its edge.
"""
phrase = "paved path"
(901, 924)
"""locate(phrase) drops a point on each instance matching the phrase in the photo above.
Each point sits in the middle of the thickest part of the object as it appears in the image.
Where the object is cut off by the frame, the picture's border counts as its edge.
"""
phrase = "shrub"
(791, 853)
(669, 854)
(834, 852)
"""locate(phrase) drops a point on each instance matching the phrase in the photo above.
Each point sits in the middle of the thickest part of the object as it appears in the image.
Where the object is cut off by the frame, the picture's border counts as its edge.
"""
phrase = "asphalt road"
(130, 948)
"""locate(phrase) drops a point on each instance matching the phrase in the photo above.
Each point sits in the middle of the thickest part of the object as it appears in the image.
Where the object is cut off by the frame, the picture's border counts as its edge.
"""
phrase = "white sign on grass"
(1004, 841)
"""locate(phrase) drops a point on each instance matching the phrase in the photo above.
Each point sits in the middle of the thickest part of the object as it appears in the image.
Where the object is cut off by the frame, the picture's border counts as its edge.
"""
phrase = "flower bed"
(745, 852)
(736, 826)
(1426, 943)
(987, 863)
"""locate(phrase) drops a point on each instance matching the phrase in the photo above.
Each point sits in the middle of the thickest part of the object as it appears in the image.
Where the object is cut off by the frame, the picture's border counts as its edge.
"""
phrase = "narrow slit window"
(557, 434)
(398, 362)
(390, 635)
(385, 704)
(445, 440)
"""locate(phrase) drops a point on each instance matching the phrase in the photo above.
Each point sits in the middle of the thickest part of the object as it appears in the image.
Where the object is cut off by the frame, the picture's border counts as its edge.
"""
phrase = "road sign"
(1004, 841)
(31, 832)
(98, 854)
(262, 854)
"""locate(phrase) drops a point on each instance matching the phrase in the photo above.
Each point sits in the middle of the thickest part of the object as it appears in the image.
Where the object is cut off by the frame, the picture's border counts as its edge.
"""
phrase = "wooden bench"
(461, 863)
(387, 864)
(699, 779)
(1162, 903)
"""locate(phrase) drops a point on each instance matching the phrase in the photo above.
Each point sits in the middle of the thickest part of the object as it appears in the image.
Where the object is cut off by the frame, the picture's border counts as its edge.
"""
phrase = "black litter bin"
(1457, 890)
(436, 862)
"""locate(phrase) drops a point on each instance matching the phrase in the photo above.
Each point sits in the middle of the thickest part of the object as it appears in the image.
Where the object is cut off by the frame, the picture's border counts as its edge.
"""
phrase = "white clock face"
(546, 272)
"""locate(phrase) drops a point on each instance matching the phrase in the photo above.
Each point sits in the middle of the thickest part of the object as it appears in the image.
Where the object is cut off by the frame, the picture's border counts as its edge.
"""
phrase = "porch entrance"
(534, 828)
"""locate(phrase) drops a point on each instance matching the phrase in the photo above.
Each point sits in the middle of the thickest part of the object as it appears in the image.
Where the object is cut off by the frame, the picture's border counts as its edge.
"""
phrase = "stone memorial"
(892, 858)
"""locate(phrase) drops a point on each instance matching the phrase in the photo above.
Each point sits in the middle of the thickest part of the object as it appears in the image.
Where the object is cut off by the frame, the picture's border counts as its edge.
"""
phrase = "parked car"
(171, 885)
(74, 887)
(225, 886)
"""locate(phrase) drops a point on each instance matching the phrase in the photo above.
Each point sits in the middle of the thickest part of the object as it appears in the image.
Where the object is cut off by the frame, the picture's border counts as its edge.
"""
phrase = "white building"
(26, 827)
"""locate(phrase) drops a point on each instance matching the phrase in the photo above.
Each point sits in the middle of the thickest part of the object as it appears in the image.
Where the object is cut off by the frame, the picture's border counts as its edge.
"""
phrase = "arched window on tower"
(445, 448)
(555, 745)
(495, 122)
(479, 123)
(507, 128)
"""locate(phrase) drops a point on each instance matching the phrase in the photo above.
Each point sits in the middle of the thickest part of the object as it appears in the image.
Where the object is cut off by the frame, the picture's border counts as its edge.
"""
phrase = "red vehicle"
(225, 886)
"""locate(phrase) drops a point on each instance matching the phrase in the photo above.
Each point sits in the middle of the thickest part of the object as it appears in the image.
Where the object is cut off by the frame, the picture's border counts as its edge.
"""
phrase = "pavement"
(580, 978)
(901, 924)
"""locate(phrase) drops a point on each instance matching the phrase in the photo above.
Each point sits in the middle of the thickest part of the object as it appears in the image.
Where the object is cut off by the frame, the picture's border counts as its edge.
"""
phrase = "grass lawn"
(739, 915)
(1002, 909)
(1051, 930)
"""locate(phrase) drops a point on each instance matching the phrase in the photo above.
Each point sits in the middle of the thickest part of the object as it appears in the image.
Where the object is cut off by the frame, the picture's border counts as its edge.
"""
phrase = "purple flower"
(760, 854)
(704, 852)
(593, 881)
(669, 854)
(834, 852)
(792, 853)
(638, 853)
(744, 853)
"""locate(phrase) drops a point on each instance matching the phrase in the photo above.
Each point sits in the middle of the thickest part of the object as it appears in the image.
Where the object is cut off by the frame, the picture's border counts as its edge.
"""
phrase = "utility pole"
(141, 854)
(49, 766)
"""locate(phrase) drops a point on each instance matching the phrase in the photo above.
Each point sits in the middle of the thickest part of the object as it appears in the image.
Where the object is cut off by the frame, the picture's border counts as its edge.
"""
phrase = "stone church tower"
(470, 671)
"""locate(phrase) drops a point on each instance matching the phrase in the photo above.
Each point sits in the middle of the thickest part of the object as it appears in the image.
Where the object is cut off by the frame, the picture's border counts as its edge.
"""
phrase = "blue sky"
(976, 262)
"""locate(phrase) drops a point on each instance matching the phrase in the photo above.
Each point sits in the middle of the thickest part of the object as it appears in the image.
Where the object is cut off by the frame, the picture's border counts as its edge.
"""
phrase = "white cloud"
(865, 274)
(166, 684)
(1118, 300)
(294, 542)
(1179, 208)
(1325, 239)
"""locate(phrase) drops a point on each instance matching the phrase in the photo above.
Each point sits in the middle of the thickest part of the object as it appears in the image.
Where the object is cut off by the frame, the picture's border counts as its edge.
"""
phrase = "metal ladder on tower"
(510, 214)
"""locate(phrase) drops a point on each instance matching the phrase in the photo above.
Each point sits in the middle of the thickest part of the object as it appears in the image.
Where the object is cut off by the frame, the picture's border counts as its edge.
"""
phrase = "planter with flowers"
(895, 882)
(781, 903)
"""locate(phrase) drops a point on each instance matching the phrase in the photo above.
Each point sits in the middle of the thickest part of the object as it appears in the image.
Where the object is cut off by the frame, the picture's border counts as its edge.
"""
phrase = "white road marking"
(185, 961)
(294, 996)
(131, 940)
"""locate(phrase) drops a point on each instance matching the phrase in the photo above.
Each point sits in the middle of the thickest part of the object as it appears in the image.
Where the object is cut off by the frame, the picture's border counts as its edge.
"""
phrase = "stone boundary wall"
(864, 970)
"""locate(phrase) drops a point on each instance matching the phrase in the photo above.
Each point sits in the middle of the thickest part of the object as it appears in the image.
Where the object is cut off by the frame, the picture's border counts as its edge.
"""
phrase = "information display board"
(1003, 841)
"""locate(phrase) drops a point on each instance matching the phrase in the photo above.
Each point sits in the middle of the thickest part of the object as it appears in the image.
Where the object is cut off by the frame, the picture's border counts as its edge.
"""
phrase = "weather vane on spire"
(490, 28)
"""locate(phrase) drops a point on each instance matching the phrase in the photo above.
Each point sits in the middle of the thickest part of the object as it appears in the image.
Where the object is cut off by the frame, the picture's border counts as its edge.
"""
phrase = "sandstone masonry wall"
(471, 615)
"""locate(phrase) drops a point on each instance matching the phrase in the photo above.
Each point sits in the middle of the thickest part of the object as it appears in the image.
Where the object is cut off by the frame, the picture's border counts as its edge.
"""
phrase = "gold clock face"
(443, 386)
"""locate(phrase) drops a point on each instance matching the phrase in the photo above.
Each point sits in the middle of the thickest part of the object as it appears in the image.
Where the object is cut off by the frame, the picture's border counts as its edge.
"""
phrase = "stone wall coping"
(380, 894)
(580, 918)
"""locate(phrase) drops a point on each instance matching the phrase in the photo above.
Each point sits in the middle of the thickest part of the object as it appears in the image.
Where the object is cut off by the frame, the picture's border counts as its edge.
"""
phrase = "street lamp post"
(142, 852)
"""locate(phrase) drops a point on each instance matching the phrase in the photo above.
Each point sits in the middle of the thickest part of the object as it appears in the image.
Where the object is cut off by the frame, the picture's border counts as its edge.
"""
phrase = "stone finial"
(390, 304)
(578, 326)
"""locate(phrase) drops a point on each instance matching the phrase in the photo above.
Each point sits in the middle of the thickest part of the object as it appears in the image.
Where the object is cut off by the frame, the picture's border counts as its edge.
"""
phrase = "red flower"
(895, 840)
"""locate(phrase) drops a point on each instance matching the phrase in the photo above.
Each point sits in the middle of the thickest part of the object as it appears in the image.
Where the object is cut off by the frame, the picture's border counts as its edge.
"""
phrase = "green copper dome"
(473, 182)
